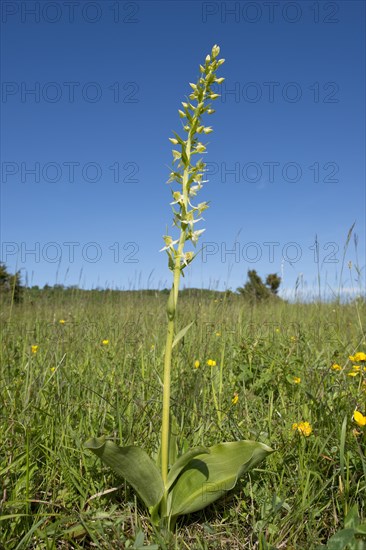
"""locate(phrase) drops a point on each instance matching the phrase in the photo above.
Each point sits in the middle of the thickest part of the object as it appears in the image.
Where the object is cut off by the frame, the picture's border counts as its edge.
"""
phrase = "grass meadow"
(87, 364)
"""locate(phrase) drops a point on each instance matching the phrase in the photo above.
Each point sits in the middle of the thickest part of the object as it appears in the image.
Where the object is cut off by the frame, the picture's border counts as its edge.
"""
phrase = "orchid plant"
(178, 486)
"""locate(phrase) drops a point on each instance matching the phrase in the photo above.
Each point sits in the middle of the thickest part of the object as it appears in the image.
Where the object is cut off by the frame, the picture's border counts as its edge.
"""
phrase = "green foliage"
(11, 285)
(195, 480)
(181, 334)
(208, 476)
(56, 495)
(4, 275)
(351, 537)
(133, 464)
(273, 282)
(255, 290)
(182, 462)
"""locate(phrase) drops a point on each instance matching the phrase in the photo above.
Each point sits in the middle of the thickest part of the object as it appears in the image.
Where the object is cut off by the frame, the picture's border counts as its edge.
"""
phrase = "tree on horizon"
(256, 290)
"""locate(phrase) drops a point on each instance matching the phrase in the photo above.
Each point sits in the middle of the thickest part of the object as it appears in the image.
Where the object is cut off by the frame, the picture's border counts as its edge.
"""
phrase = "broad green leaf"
(133, 464)
(139, 543)
(181, 333)
(76, 531)
(352, 519)
(341, 539)
(182, 462)
(139, 540)
(207, 477)
(361, 529)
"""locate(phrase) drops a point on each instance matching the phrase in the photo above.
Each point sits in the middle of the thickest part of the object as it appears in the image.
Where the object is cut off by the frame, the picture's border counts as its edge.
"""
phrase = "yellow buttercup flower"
(62, 321)
(359, 418)
(359, 356)
(335, 366)
(196, 364)
(34, 349)
(211, 363)
(52, 369)
(296, 380)
(352, 373)
(356, 368)
(235, 398)
(303, 427)
(105, 342)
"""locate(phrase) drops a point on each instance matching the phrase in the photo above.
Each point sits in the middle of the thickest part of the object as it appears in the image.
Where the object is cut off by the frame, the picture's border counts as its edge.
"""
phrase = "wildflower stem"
(171, 310)
(166, 402)
(170, 333)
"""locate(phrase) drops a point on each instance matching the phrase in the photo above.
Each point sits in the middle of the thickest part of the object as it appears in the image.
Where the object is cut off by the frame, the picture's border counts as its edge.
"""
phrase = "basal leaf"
(206, 477)
(134, 465)
(182, 462)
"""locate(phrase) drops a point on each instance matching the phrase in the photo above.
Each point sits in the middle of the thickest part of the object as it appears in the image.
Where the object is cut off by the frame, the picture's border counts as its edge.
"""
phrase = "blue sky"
(85, 155)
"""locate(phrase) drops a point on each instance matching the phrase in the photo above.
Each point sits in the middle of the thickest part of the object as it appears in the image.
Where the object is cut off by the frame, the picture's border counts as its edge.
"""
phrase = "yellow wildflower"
(53, 369)
(34, 349)
(62, 321)
(235, 398)
(335, 366)
(218, 333)
(359, 418)
(105, 342)
(356, 368)
(196, 364)
(296, 380)
(303, 427)
(211, 363)
(359, 356)
(352, 373)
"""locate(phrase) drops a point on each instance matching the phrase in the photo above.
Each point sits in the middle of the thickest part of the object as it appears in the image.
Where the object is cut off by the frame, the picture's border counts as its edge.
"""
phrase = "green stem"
(171, 310)
(166, 402)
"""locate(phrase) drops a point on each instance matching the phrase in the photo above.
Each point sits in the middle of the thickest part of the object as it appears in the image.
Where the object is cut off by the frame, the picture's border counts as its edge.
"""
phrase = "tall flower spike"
(184, 171)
